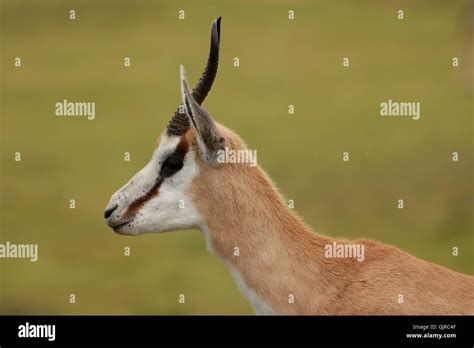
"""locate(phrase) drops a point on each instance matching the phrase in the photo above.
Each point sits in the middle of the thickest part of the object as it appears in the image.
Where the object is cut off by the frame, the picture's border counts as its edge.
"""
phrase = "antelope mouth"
(117, 227)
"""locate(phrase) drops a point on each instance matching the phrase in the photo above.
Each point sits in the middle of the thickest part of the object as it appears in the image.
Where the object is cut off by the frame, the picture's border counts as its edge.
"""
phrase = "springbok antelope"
(282, 267)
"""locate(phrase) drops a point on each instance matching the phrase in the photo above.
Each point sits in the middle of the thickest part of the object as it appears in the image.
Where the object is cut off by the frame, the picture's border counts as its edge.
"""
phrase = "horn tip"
(216, 32)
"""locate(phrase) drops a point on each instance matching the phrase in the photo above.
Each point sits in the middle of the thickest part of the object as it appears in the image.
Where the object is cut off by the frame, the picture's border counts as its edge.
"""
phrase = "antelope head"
(158, 197)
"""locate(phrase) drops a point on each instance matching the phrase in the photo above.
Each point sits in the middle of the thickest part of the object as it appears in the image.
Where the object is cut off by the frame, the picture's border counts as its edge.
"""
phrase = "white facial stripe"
(166, 146)
(144, 180)
(171, 208)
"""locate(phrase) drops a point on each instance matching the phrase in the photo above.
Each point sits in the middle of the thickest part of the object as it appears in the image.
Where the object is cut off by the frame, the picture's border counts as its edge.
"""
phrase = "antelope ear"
(209, 140)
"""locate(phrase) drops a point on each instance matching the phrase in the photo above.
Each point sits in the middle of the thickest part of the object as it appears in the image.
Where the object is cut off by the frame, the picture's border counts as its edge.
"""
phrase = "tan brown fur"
(280, 255)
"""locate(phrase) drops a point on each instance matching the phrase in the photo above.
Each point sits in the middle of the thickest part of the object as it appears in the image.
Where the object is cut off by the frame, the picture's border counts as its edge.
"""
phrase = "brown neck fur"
(246, 211)
(280, 257)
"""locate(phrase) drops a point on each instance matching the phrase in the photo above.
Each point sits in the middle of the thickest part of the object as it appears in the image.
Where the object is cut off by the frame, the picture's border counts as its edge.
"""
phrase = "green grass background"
(282, 62)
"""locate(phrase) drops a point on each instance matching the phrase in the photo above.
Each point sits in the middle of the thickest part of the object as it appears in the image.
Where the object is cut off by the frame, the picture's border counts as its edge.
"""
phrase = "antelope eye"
(170, 166)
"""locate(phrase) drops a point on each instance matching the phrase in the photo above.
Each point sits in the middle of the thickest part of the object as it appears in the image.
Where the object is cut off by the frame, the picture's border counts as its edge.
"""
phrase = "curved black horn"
(205, 82)
(179, 123)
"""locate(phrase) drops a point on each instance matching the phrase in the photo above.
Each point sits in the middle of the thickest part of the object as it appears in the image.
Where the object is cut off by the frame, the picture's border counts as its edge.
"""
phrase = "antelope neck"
(266, 247)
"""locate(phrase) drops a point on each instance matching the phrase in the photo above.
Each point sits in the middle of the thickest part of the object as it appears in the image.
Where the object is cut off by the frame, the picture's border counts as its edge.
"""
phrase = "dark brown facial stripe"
(140, 202)
(180, 151)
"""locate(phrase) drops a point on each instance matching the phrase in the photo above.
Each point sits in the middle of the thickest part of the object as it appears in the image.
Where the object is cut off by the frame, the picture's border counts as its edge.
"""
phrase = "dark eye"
(170, 166)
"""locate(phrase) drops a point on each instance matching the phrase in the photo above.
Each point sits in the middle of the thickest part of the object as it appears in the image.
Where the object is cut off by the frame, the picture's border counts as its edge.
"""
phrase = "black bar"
(290, 330)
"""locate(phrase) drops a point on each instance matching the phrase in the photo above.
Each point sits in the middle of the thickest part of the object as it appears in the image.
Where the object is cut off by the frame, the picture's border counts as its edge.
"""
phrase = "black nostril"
(109, 211)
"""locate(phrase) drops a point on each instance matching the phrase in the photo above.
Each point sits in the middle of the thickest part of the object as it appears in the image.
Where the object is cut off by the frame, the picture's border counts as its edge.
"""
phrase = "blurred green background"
(282, 62)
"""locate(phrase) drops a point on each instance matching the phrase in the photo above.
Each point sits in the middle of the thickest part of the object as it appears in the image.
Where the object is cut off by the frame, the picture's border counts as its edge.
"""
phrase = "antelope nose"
(109, 211)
